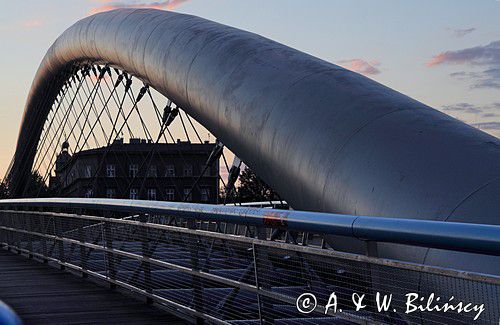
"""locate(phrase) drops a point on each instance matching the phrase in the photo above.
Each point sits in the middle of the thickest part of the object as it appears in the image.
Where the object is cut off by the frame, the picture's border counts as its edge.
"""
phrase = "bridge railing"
(8, 316)
(248, 265)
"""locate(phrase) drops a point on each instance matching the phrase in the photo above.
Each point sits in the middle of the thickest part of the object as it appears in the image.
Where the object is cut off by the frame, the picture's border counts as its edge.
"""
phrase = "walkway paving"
(41, 294)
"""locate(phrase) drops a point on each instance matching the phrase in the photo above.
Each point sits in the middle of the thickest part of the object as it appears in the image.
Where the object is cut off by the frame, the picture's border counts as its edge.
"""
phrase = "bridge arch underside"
(327, 139)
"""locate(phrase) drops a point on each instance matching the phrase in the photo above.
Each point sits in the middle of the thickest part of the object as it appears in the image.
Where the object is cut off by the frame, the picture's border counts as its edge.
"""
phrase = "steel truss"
(98, 105)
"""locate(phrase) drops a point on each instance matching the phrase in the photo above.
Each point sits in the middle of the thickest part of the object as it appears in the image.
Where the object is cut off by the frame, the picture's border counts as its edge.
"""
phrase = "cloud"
(489, 78)
(461, 32)
(483, 117)
(32, 23)
(479, 56)
(462, 107)
(489, 126)
(486, 111)
(361, 66)
(107, 5)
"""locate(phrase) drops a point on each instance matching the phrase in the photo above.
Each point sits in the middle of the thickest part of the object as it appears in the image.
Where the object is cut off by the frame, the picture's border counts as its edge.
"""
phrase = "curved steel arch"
(327, 139)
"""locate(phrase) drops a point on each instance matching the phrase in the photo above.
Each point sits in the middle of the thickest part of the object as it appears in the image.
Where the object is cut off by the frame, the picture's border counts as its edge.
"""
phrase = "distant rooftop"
(144, 145)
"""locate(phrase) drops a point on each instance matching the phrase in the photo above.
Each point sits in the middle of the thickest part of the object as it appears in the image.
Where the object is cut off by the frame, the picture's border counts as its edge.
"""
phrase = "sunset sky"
(445, 53)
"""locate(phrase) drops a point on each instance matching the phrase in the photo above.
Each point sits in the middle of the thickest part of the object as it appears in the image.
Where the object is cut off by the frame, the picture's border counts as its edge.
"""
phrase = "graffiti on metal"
(276, 219)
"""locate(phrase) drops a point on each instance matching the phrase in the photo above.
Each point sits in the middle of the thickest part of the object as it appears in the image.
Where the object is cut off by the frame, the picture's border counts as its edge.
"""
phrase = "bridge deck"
(41, 294)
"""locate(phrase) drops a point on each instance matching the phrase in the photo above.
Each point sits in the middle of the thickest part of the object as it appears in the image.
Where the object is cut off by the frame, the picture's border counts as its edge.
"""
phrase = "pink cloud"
(478, 55)
(438, 59)
(107, 5)
(32, 23)
(361, 66)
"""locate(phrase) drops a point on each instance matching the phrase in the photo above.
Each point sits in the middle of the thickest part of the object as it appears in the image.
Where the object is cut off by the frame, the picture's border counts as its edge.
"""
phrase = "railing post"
(12, 234)
(17, 235)
(59, 233)
(373, 276)
(146, 252)
(108, 240)
(5, 233)
(43, 240)
(83, 253)
(197, 283)
(9, 236)
(371, 248)
(262, 283)
(257, 284)
(30, 222)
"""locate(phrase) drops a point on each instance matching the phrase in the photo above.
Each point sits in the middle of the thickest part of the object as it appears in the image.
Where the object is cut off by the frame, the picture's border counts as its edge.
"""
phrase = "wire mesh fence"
(226, 273)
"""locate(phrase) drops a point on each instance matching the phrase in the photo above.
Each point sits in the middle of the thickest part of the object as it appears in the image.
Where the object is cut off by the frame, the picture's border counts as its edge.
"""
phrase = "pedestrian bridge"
(388, 195)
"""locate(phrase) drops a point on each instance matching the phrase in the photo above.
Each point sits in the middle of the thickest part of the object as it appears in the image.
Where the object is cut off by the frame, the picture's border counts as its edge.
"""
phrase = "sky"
(444, 53)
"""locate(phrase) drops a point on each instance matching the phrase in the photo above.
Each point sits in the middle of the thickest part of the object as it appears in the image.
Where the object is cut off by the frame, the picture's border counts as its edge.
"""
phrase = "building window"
(89, 192)
(188, 170)
(170, 171)
(205, 194)
(188, 194)
(110, 193)
(152, 171)
(170, 194)
(133, 169)
(88, 171)
(152, 194)
(134, 194)
(110, 170)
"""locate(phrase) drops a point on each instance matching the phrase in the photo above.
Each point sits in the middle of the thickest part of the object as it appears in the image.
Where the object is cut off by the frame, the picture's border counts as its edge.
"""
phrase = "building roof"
(143, 146)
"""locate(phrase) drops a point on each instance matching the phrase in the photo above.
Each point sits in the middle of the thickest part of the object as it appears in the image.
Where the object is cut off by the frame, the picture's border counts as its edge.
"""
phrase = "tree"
(253, 189)
(4, 191)
(36, 187)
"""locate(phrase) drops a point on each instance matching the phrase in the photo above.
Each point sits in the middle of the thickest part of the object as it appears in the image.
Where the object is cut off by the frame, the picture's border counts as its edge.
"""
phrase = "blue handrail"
(8, 316)
(465, 237)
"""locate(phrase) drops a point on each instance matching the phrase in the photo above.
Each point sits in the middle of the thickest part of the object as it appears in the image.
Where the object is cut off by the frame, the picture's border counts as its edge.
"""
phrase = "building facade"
(139, 170)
